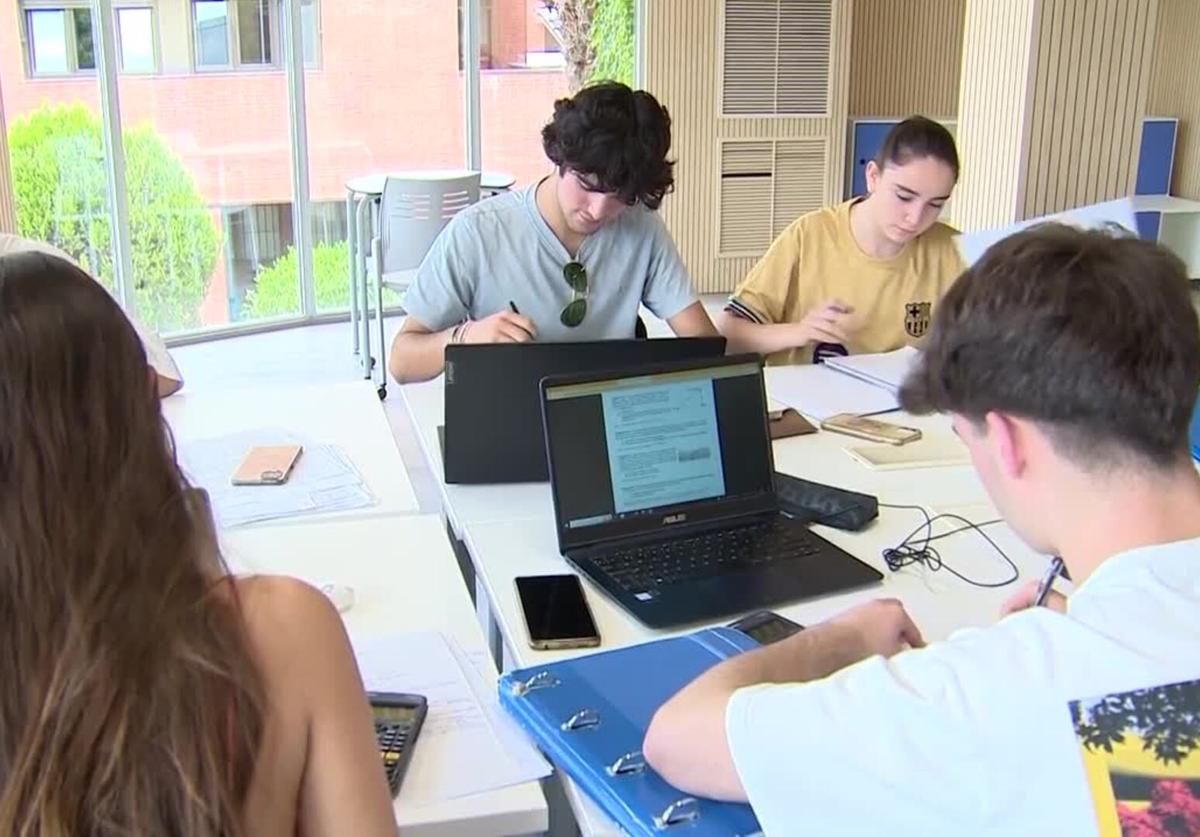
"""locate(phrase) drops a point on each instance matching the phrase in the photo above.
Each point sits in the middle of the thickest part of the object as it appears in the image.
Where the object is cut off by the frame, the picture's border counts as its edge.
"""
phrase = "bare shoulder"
(289, 621)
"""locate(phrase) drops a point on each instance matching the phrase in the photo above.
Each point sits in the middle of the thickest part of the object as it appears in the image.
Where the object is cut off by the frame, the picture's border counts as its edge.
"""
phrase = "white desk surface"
(405, 578)
(509, 531)
(465, 504)
(348, 415)
(939, 602)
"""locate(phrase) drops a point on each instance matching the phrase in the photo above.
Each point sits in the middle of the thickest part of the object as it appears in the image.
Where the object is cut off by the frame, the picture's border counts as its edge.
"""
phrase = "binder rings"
(590, 714)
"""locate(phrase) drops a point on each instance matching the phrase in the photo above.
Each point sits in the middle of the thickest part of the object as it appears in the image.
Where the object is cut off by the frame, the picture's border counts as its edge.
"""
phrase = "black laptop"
(493, 431)
(663, 493)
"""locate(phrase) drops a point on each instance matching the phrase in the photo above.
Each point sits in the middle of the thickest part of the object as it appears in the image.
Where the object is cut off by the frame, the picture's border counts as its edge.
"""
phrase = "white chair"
(415, 208)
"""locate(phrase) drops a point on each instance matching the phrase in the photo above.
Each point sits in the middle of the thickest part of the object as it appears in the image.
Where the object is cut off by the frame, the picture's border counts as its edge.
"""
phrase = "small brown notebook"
(788, 422)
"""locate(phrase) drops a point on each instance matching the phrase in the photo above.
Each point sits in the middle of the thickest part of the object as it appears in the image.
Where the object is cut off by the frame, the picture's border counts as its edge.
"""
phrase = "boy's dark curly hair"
(616, 136)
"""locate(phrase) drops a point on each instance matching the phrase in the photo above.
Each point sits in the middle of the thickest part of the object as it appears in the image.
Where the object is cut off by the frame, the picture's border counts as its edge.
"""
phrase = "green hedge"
(276, 290)
(59, 180)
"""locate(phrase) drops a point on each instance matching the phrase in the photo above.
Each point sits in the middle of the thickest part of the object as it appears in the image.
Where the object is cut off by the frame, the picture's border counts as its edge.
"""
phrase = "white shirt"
(972, 735)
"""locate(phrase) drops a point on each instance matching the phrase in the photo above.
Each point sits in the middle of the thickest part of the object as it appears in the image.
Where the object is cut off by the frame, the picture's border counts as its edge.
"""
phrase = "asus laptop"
(663, 493)
(493, 430)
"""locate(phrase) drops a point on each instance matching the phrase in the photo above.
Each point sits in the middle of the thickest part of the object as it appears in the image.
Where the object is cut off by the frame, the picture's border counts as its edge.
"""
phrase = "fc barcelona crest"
(916, 318)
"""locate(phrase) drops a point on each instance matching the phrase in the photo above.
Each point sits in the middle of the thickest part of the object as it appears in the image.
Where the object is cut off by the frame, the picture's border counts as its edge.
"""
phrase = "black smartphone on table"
(556, 612)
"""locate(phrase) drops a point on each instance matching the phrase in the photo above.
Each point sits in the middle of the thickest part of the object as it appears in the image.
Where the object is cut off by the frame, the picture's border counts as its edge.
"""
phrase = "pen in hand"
(1047, 582)
(513, 307)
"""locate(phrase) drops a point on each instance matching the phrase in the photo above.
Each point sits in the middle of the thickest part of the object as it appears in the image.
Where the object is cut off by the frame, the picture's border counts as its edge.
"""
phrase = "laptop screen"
(634, 453)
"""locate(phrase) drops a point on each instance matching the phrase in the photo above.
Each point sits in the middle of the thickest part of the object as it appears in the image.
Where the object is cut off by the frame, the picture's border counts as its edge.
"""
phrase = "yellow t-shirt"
(817, 258)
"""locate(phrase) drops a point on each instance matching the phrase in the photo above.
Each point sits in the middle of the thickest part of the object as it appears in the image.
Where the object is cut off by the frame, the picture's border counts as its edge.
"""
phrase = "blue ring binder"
(611, 696)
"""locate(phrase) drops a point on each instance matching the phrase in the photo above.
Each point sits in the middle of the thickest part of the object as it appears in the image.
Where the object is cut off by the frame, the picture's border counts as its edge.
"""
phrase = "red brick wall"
(387, 95)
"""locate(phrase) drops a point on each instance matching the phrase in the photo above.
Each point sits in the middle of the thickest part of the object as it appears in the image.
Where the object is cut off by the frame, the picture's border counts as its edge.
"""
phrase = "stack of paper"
(466, 745)
(323, 479)
(885, 369)
(819, 392)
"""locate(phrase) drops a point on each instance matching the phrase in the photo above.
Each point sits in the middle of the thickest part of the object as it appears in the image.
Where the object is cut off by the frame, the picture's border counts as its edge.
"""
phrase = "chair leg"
(364, 241)
(352, 262)
(377, 251)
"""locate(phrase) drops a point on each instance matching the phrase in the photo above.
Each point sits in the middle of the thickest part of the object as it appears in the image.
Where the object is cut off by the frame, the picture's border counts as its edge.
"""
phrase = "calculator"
(398, 719)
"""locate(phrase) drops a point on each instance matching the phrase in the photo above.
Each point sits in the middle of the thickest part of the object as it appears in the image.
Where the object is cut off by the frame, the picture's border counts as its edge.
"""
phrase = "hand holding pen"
(1039, 593)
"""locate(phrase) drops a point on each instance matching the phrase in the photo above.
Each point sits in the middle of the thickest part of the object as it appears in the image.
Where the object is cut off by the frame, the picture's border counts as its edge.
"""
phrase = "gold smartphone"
(266, 465)
(556, 613)
(872, 430)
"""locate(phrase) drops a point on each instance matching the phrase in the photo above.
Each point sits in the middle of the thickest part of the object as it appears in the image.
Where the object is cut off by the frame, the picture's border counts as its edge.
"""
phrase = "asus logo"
(674, 518)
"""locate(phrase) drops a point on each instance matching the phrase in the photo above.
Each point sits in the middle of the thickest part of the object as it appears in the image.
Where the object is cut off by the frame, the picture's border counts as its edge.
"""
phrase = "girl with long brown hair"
(142, 689)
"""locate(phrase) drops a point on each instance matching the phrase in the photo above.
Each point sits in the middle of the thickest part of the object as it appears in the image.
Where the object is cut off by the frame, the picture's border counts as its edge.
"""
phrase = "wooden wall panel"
(683, 56)
(1088, 93)
(992, 110)
(905, 57)
(1175, 87)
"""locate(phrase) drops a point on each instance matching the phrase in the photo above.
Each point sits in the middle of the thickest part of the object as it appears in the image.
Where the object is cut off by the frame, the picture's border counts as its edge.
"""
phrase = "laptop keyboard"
(705, 555)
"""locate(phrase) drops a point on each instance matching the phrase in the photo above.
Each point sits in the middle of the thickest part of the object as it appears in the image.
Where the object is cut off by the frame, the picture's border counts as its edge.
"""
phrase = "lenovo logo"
(674, 518)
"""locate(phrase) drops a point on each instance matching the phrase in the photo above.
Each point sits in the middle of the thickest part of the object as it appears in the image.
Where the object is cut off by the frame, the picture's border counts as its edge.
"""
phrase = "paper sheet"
(462, 747)
(323, 479)
(885, 369)
(1118, 213)
(819, 393)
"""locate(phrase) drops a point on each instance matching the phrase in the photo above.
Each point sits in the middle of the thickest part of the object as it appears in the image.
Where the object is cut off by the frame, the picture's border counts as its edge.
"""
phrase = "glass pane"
(308, 22)
(209, 176)
(55, 150)
(48, 40)
(377, 110)
(136, 27)
(517, 92)
(254, 31)
(212, 33)
(85, 51)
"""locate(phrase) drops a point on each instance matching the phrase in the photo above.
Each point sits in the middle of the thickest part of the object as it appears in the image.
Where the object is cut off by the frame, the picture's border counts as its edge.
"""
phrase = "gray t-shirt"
(502, 250)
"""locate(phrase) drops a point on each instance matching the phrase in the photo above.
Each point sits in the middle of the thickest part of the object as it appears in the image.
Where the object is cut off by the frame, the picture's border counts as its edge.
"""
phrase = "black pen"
(512, 305)
(1056, 567)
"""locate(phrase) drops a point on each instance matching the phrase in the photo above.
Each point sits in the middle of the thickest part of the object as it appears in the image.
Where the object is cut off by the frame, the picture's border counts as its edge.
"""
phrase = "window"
(248, 33)
(59, 38)
(135, 38)
(517, 35)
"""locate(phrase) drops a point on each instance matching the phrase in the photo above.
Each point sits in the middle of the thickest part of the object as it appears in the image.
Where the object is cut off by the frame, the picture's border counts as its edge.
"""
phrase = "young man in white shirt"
(1069, 361)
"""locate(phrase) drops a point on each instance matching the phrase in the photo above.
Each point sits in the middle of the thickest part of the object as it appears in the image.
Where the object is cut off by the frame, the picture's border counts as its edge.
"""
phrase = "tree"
(1166, 717)
(276, 290)
(596, 37)
(60, 185)
(612, 41)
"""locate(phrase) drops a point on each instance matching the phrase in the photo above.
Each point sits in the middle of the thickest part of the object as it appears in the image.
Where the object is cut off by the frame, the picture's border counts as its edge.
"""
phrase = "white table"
(363, 194)
(464, 504)
(348, 415)
(509, 531)
(404, 578)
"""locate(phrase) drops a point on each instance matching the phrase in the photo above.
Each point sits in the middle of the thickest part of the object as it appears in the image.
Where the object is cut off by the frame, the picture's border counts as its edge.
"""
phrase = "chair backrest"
(418, 206)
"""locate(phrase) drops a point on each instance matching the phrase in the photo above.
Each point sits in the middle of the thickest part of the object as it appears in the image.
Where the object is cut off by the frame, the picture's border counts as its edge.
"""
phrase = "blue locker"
(1147, 224)
(865, 143)
(1156, 156)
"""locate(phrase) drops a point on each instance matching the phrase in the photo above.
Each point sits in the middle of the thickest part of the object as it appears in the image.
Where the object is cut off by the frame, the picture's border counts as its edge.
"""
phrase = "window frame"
(233, 40)
(70, 43)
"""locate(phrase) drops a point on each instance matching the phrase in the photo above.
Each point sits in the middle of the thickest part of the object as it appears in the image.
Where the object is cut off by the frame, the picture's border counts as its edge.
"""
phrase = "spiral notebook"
(589, 715)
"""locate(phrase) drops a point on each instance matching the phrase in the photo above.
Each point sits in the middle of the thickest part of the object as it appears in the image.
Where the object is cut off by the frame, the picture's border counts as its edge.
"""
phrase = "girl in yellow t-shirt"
(862, 276)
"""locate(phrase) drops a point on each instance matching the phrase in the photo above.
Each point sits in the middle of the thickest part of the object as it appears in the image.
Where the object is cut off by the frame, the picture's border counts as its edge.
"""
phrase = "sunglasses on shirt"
(576, 277)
